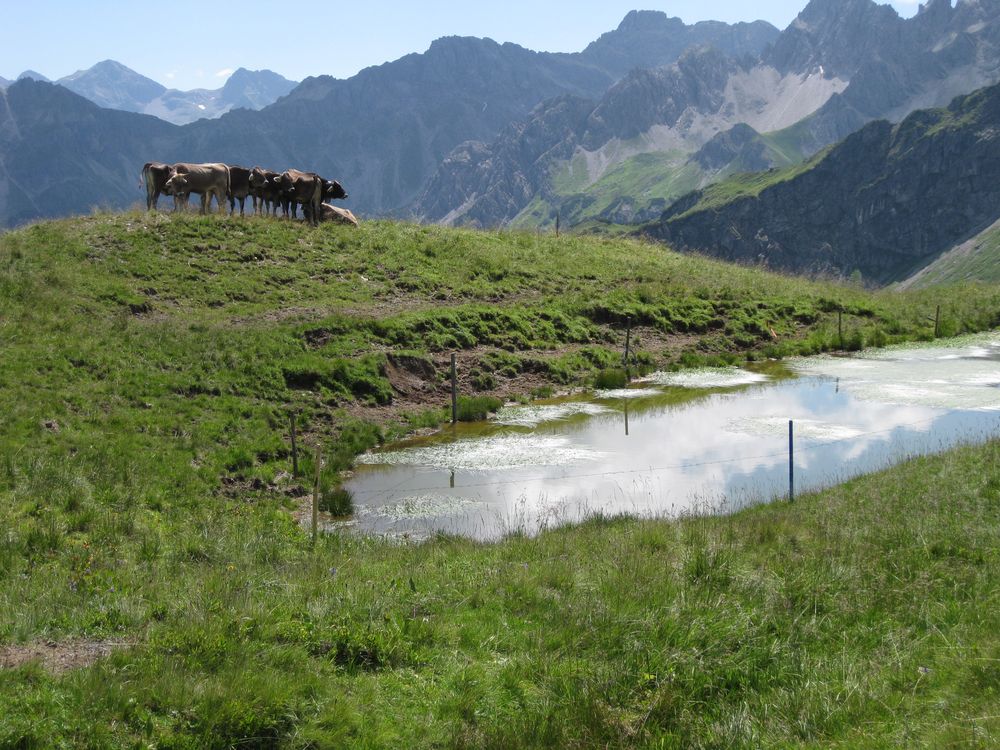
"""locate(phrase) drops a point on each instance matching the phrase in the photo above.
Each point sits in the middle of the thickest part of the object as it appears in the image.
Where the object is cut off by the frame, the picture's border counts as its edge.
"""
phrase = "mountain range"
(626, 156)
(477, 132)
(885, 202)
(382, 132)
(112, 85)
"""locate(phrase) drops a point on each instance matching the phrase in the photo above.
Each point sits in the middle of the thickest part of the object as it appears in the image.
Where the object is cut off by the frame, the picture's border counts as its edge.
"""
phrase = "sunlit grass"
(151, 363)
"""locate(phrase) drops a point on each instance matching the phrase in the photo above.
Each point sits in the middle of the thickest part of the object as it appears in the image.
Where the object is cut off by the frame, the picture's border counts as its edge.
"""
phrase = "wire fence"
(809, 446)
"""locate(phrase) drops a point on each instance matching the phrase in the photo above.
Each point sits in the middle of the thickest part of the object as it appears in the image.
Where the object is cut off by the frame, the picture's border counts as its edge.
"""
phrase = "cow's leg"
(243, 200)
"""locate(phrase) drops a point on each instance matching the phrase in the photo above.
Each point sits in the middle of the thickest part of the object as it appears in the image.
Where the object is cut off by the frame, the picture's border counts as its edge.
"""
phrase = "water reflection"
(694, 441)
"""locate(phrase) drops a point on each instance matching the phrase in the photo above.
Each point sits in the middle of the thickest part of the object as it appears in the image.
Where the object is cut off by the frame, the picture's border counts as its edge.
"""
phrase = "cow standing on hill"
(205, 179)
(155, 174)
(265, 191)
(239, 187)
(309, 189)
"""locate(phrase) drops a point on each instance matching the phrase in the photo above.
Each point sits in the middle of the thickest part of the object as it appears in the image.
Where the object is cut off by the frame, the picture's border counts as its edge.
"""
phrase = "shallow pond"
(693, 441)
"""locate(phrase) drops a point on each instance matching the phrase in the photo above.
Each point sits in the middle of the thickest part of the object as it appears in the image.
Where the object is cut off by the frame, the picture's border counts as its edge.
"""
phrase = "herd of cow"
(269, 190)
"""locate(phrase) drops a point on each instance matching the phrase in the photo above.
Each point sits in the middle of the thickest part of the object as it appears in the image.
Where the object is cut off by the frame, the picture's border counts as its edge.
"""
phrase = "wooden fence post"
(937, 322)
(315, 506)
(628, 348)
(840, 328)
(295, 447)
(454, 390)
(791, 461)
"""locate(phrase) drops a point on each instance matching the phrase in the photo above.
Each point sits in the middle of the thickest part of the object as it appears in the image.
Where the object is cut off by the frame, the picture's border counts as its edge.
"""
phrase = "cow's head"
(333, 190)
(283, 182)
(260, 177)
(177, 184)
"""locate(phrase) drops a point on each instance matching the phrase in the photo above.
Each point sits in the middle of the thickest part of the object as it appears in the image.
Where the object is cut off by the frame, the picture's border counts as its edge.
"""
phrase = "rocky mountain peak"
(646, 20)
(651, 39)
(113, 85)
(32, 75)
(254, 89)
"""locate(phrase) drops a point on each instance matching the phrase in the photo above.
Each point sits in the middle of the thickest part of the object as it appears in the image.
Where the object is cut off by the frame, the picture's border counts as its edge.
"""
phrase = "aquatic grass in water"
(496, 453)
(628, 393)
(533, 415)
(421, 507)
(707, 377)
(960, 374)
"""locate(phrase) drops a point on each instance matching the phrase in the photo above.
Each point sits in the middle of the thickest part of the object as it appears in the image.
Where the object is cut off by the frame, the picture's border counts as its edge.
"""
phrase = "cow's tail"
(142, 176)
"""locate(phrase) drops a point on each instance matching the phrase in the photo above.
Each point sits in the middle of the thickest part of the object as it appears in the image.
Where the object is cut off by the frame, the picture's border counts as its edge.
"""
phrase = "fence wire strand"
(811, 446)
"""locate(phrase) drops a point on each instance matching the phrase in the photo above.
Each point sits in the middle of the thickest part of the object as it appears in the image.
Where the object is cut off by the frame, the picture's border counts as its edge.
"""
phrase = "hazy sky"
(185, 44)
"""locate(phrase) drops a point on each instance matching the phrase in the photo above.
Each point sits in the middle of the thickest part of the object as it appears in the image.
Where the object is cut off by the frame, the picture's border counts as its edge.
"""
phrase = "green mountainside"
(977, 259)
(884, 202)
(641, 187)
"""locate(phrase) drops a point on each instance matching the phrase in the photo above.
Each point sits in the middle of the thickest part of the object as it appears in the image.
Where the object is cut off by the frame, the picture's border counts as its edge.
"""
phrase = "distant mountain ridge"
(886, 201)
(839, 65)
(382, 132)
(112, 85)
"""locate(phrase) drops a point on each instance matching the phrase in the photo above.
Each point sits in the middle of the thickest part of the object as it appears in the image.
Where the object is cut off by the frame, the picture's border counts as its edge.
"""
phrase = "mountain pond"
(697, 441)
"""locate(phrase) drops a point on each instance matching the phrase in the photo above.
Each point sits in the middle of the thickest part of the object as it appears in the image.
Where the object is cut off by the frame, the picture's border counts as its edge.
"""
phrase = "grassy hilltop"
(149, 367)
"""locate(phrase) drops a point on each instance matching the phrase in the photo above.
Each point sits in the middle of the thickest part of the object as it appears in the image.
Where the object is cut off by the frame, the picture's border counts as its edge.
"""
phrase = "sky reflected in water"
(698, 441)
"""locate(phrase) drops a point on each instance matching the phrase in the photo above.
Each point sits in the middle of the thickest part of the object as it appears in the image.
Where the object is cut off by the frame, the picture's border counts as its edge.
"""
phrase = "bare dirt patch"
(423, 383)
(58, 657)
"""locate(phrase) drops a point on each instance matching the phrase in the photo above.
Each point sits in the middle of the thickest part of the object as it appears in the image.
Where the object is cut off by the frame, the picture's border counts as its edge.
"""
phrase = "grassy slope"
(978, 259)
(749, 184)
(149, 366)
(642, 179)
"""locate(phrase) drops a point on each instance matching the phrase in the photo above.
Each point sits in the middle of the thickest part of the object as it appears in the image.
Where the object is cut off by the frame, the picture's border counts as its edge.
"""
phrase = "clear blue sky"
(185, 44)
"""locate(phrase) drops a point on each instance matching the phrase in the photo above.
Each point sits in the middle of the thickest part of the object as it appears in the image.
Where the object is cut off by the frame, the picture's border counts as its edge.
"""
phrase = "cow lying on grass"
(336, 214)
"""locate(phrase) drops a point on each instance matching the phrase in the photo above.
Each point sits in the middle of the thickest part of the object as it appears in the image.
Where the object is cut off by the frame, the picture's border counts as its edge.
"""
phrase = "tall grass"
(149, 367)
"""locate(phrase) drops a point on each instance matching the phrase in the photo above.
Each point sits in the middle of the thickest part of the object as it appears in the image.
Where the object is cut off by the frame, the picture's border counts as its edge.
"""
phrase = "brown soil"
(58, 657)
(417, 386)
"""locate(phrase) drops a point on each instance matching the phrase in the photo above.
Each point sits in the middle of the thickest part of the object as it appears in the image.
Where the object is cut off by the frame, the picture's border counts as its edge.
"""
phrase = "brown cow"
(300, 187)
(337, 215)
(155, 174)
(205, 179)
(265, 192)
(309, 189)
(239, 187)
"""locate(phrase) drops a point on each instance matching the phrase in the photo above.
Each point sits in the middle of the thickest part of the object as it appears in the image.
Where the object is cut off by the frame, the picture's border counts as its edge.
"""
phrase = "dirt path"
(58, 657)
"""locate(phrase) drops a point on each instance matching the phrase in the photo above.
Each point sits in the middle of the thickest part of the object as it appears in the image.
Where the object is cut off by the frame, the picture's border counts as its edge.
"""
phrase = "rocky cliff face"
(651, 39)
(885, 201)
(898, 65)
(485, 185)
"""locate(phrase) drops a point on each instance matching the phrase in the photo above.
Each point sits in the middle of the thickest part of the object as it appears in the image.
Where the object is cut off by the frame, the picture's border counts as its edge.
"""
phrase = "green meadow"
(150, 365)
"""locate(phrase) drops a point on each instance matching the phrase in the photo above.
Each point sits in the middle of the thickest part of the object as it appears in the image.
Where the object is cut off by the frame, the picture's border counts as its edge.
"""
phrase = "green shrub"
(337, 501)
(607, 379)
(476, 408)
